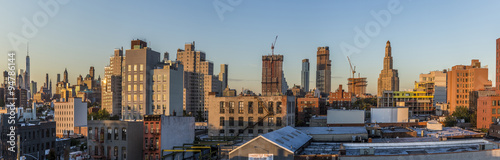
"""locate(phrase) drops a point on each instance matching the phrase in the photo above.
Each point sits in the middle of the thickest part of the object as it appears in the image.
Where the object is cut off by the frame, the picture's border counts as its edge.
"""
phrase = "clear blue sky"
(425, 35)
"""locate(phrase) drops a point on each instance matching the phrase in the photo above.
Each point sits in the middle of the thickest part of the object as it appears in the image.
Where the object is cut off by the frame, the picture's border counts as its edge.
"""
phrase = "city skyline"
(221, 39)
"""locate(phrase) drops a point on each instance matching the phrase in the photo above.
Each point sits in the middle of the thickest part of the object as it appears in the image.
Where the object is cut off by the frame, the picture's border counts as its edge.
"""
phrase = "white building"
(68, 115)
(389, 115)
(167, 89)
(345, 117)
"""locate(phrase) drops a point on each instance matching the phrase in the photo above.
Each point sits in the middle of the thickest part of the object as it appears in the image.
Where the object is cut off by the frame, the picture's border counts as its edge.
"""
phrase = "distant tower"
(50, 87)
(305, 75)
(165, 56)
(46, 80)
(223, 76)
(324, 70)
(388, 79)
(92, 72)
(273, 80)
(28, 72)
(65, 75)
(58, 78)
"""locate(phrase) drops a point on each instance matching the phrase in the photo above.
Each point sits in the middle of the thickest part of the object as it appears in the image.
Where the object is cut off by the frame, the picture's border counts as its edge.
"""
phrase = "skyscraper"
(273, 81)
(388, 79)
(305, 75)
(66, 75)
(112, 84)
(92, 72)
(27, 75)
(223, 76)
(324, 70)
(198, 80)
(137, 80)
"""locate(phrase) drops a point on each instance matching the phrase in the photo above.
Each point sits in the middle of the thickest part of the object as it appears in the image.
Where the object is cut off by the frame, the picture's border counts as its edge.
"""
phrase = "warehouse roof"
(332, 130)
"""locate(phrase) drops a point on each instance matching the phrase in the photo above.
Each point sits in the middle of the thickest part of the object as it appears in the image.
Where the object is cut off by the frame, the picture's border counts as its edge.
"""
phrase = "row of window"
(141, 67)
(241, 131)
(152, 126)
(260, 122)
(250, 108)
(135, 87)
(152, 142)
(99, 151)
(111, 134)
(141, 78)
(141, 97)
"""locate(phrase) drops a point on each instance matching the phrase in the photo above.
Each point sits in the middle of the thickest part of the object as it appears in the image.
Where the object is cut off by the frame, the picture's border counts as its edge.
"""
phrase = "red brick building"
(309, 106)
(164, 132)
(488, 111)
(340, 98)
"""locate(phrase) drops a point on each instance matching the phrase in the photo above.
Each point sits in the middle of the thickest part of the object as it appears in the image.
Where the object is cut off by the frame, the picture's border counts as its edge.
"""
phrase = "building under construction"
(357, 86)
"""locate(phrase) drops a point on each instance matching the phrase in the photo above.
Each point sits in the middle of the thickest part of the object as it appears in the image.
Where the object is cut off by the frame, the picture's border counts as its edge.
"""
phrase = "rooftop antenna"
(273, 44)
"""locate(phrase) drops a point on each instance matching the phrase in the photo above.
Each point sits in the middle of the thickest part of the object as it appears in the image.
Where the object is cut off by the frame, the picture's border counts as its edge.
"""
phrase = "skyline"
(92, 39)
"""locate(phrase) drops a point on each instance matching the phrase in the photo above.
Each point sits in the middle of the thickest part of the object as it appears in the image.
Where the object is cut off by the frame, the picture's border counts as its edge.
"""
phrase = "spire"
(28, 49)
(388, 49)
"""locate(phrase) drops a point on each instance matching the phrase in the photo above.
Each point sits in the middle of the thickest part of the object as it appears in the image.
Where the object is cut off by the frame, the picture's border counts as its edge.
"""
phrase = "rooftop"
(288, 137)
(333, 130)
(452, 132)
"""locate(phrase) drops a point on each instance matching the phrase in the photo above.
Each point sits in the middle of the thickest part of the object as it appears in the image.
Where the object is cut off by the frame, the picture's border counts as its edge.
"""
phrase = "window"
(231, 107)
(221, 121)
(141, 87)
(240, 107)
(260, 108)
(250, 121)
(250, 131)
(278, 121)
(494, 103)
(278, 107)
(90, 135)
(260, 121)
(116, 135)
(221, 106)
(240, 121)
(129, 87)
(124, 153)
(241, 131)
(129, 68)
(124, 134)
(493, 111)
(260, 131)
(135, 67)
(270, 107)
(129, 78)
(250, 107)
(270, 121)
(231, 121)
(146, 128)
(141, 67)
(109, 133)
(269, 130)
(493, 119)
(135, 87)
(135, 77)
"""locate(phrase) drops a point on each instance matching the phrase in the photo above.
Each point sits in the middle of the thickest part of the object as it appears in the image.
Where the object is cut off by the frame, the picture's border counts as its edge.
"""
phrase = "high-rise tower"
(324, 70)
(272, 75)
(305, 75)
(223, 76)
(111, 94)
(65, 75)
(388, 79)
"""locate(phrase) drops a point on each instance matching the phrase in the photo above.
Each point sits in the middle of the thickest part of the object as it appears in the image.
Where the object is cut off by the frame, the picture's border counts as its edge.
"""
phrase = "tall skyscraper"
(305, 75)
(92, 72)
(223, 76)
(58, 78)
(46, 81)
(137, 80)
(112, 84)
(27, 75)
(273, 81)
(497, 75)
(324, 70)
(198, 80)
(388, 79)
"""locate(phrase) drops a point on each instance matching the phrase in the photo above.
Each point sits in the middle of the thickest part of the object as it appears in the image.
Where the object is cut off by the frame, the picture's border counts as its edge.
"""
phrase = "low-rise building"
(249, 115)
(335, 134)
(418, 102)
(280, 144)
(164, 132)
(488, 111)
(68, 115)
(308, 107)
(340, 99)
(112, 139)
(339, 117)
(389, 115)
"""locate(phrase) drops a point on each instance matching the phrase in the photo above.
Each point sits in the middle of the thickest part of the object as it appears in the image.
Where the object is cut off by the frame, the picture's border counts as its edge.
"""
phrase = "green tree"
(100, 115)
(450, 121)
(473, 119)
(462, 112)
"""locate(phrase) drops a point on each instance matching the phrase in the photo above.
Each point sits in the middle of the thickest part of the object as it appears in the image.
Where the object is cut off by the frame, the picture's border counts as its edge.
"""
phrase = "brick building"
(340, 98)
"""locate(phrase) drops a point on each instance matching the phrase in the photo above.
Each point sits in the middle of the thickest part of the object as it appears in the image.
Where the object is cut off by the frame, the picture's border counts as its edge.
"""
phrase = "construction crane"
(273, 44)
(353, 81)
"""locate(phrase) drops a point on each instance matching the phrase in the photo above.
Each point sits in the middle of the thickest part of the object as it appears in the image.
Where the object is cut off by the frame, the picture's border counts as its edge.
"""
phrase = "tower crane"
(273, 44)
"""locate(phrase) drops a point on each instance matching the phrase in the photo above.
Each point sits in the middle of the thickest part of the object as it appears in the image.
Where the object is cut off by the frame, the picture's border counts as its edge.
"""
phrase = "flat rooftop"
(418, 147)
(450, 132)
(332, 130)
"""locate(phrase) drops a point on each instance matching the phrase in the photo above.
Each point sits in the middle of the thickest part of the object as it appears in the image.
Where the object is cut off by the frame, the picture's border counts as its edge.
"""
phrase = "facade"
(488, 111)
(273, 79)
(418, 102)
(308, 107)
(340, 99)
(433, 83)
(68, 115)
(112, 84)
(137, 80)
(164, 132)
(463, 79)
(340, 117)
(388, 79)
(167, 89)
(198, 79)
(109, 139)
(281, 144)
(304, 75)
(474, 95)
(36, 137)
(494, 131)
(323, 70)
(390, 115)
(357, 86)
(249, 116)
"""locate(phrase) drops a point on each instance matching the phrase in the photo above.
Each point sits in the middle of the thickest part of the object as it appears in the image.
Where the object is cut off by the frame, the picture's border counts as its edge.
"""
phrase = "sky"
(425, 35)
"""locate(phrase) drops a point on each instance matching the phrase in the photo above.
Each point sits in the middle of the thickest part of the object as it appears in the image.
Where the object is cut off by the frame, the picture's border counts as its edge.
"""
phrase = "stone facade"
(388, 79)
